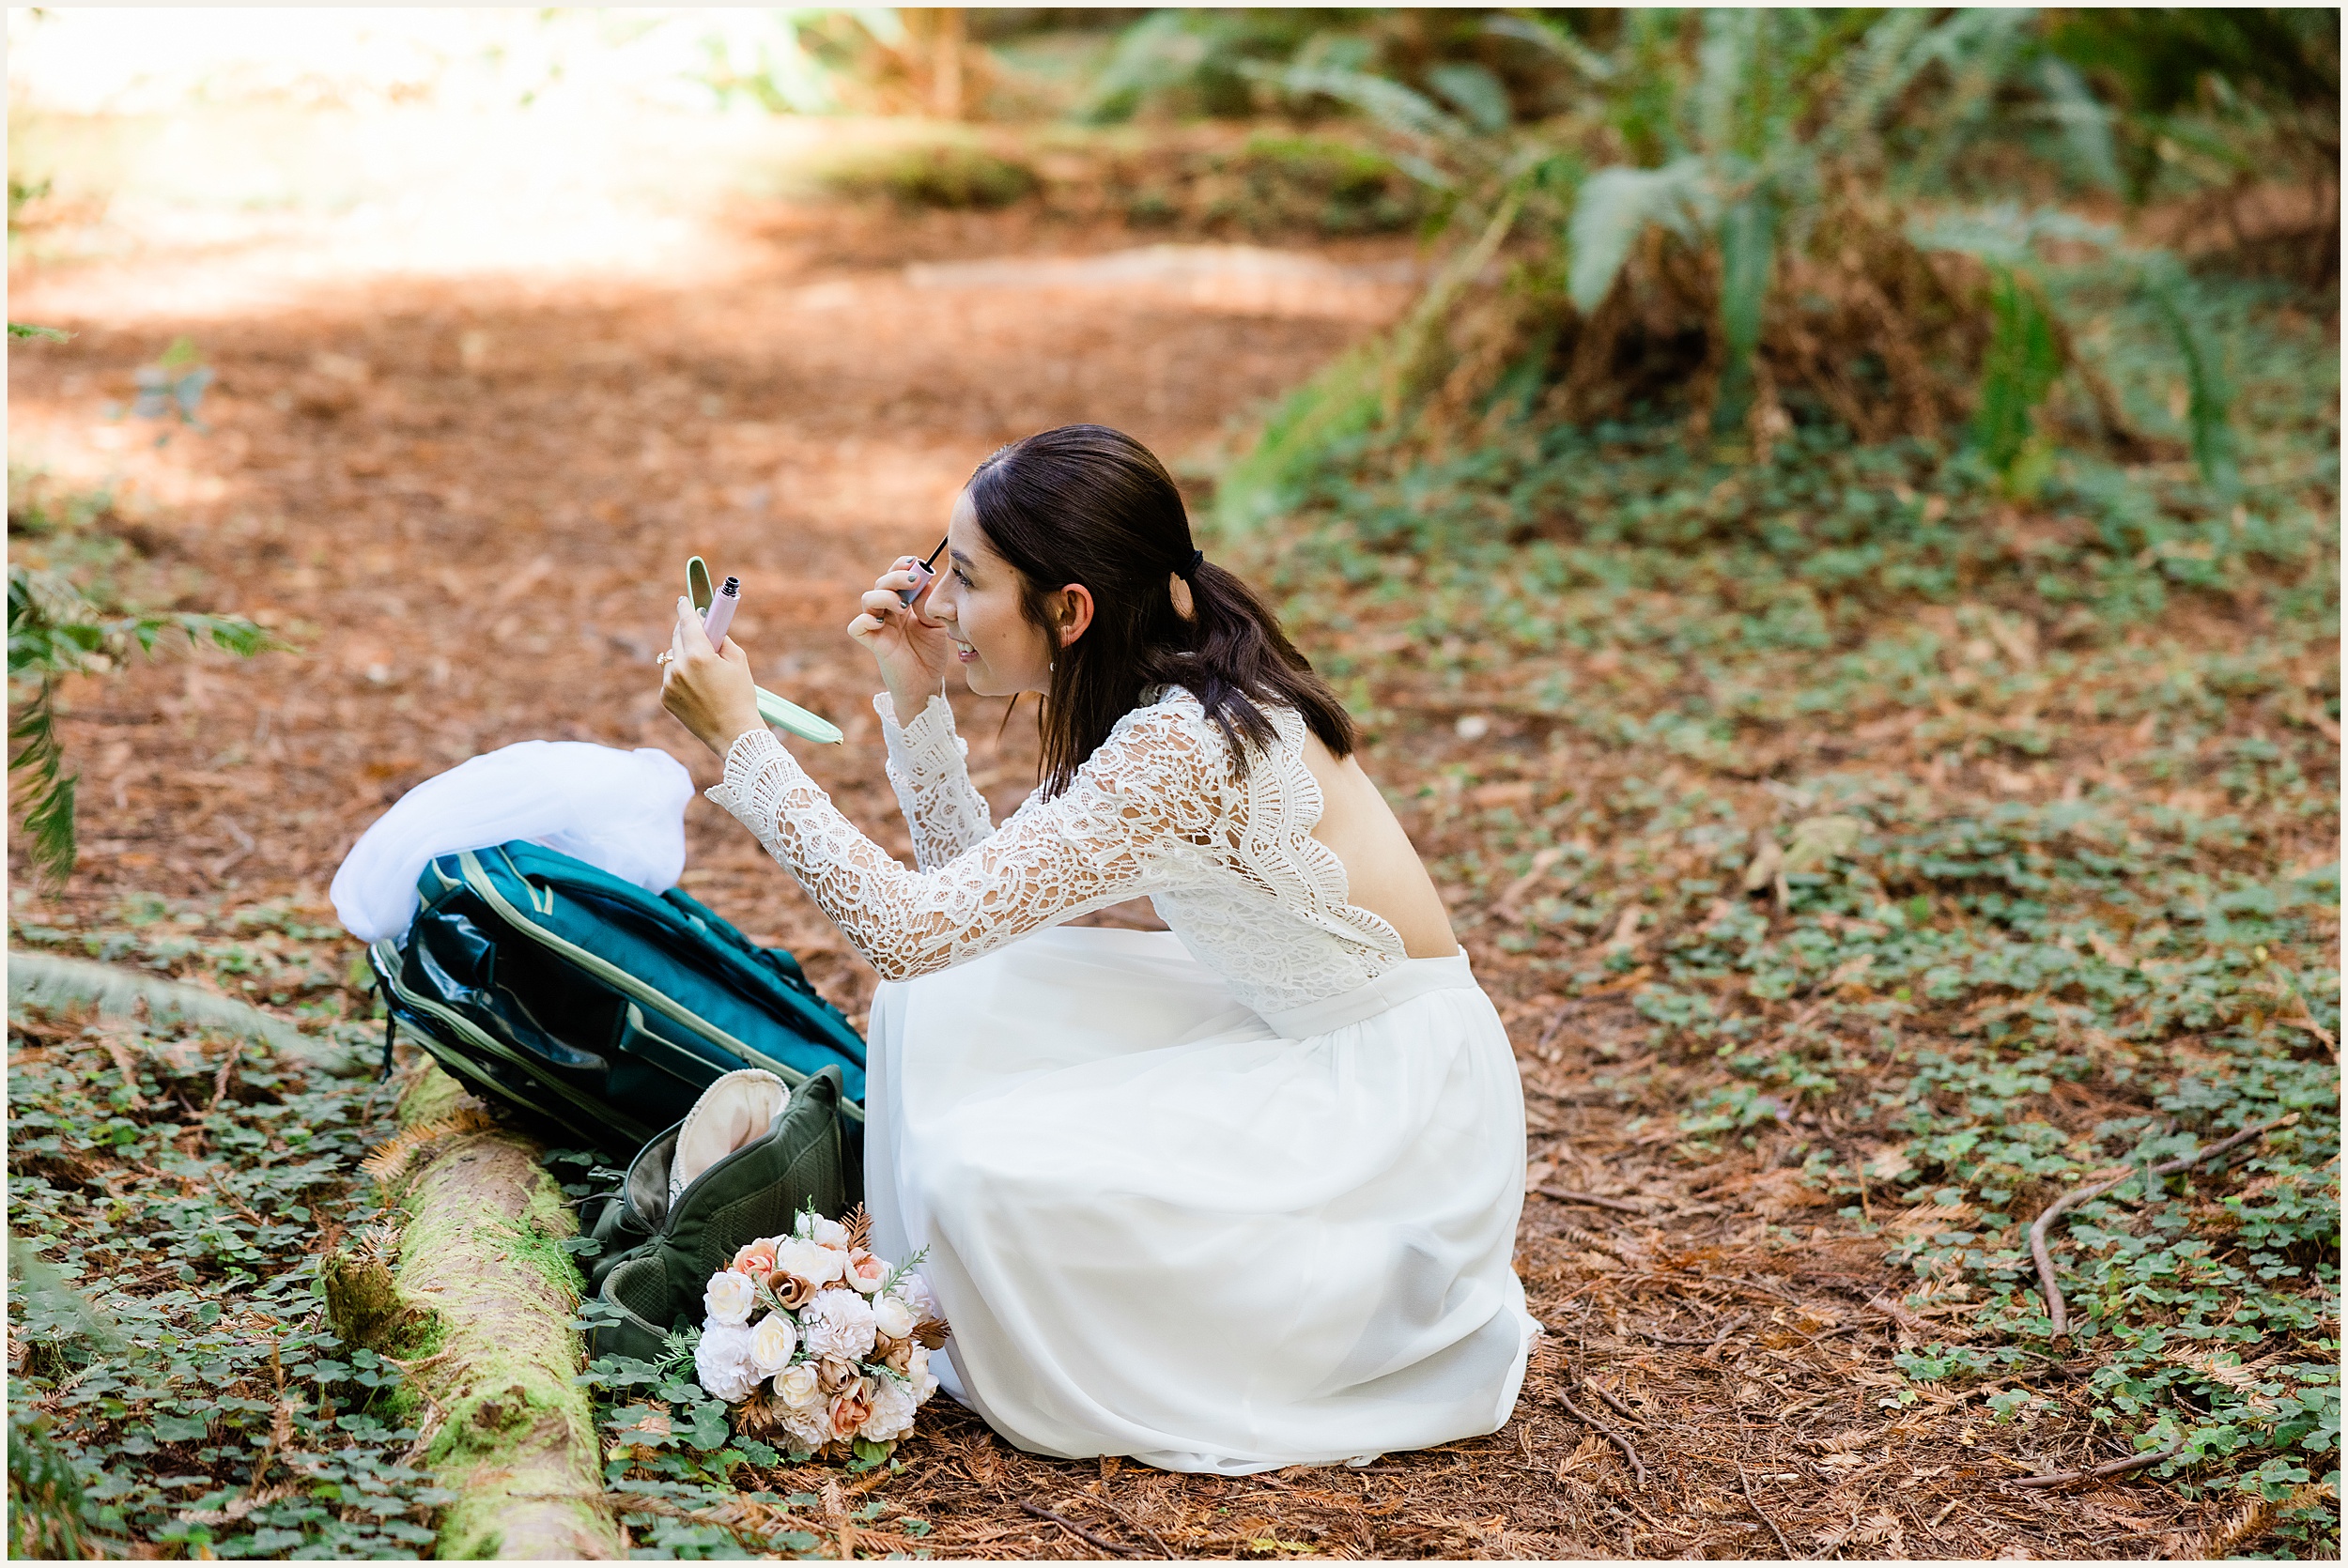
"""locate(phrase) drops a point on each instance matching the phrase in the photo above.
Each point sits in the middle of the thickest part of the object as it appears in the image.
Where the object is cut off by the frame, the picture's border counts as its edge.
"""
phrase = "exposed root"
(2056, 1309)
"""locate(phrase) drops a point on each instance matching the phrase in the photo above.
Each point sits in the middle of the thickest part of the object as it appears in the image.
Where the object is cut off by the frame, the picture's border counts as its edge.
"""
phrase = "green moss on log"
(481, 1268)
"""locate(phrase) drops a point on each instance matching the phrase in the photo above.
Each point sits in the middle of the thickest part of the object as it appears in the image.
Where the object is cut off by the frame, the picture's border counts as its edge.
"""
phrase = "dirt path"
(469, 500)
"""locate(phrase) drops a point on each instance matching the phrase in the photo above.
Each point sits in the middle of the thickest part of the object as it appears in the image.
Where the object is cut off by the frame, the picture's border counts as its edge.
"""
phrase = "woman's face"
(976, 598)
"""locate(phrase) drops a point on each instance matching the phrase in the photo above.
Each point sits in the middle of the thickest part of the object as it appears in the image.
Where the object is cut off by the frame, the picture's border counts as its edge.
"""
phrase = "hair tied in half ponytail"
(1089, 505)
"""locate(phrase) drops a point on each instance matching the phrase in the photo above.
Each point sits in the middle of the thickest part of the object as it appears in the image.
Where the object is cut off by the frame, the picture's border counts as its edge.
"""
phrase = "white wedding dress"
(1232, 1197)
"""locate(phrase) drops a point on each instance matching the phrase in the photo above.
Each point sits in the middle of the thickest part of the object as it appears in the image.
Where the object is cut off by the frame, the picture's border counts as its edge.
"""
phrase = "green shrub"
(944, 175)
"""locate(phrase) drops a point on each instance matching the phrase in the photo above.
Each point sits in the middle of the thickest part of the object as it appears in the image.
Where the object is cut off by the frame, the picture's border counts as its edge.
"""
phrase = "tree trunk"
(946, 65)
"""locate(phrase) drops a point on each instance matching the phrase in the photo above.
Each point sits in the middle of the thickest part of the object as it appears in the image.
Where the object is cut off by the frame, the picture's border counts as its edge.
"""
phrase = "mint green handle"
(791, 716)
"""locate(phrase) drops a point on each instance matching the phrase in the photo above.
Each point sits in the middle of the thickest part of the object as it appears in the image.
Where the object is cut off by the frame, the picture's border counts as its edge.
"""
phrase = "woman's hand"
(912, 654)
(709, 691)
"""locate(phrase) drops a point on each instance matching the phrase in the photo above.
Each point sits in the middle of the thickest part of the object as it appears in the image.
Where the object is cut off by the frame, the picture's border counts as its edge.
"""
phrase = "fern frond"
(2209, 394)
(1616, 206)
(1154, 53)
(1748, 238)
(49, 817)
(1340, 402)
(1977, 47)
(54, 1300)
(2019, 370)
(2085, 122)
(390, 1158)
(1540, 31)
(1473, 91)
(55, 983)
(1349, 397)
(2237, 1531)
(1724, 71)
(1394, 106)
(1880, 70)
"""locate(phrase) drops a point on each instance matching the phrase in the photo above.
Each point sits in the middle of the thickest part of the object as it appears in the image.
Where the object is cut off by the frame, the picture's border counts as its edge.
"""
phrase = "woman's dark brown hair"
(1088, 504)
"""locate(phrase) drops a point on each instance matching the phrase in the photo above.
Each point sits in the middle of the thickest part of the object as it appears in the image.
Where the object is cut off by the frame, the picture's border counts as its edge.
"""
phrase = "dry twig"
(2057, 1310)
(227, 1071)
(1746, 1482)
(1615, 1405)
(126, 1064)
(1638, 1466)
(1707, 1343)
(1080, 1533)
(1134, 1525)
(1566, 1195)
(2118, 1466)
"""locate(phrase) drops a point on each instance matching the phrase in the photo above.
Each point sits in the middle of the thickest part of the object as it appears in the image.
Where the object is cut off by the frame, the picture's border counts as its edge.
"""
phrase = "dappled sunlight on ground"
(460, 446)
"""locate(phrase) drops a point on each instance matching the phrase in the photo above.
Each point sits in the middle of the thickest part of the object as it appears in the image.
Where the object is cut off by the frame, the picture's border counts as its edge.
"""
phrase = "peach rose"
(866, 1272)
(756, 1259)
(851, 1407)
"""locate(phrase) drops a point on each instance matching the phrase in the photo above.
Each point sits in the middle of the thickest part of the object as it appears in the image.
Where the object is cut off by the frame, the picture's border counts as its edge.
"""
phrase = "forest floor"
(467, 499)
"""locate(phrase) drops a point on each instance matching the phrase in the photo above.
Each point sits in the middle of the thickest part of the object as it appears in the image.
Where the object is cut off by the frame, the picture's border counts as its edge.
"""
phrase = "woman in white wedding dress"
(1227, 1197)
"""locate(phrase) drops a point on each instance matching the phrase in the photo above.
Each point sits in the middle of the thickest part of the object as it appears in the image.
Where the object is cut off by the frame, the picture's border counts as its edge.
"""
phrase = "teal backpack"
(542, 983)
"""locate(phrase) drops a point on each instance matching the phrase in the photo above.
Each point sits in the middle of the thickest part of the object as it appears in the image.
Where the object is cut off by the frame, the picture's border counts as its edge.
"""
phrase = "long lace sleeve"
(1141, 815)
(928, 765)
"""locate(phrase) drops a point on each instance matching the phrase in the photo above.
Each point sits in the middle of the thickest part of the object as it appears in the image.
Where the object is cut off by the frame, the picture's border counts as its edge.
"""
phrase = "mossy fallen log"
(55, 981)
(475, 1300)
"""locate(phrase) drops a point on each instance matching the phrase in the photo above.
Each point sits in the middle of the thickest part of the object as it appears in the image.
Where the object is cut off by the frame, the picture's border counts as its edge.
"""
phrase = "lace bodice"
(1230, 863)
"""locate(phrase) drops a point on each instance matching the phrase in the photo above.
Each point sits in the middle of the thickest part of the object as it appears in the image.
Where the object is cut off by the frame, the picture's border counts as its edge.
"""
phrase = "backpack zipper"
(477, 878)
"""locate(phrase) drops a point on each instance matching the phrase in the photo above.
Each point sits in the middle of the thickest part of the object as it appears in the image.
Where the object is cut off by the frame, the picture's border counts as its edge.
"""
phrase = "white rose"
(818, 1266)
(892, 1316)
(795, 1386)
(866, 1272)
(809, 1429)
(924, 1381)
(772, 1343)
(721, 1362)
(837, 1323)
(730, 1298)
(893, 1412)
(916, 1291)
(828, 1233)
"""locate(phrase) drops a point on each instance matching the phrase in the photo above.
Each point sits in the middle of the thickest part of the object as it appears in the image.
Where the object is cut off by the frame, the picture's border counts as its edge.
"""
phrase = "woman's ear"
(1072, 613)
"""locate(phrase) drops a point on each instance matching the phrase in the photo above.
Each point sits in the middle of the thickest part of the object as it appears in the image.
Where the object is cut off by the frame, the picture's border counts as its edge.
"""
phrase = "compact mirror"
(697, 586)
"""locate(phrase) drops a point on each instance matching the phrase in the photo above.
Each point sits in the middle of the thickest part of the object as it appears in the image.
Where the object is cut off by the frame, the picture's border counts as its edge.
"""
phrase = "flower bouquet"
(813, 1339)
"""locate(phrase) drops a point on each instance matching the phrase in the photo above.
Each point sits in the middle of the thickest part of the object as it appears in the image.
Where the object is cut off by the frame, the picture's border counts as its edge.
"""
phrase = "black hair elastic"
(1190, 569)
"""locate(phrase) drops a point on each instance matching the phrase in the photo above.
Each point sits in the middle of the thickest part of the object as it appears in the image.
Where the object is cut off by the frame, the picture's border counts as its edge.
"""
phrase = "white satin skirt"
(1165, 1227)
